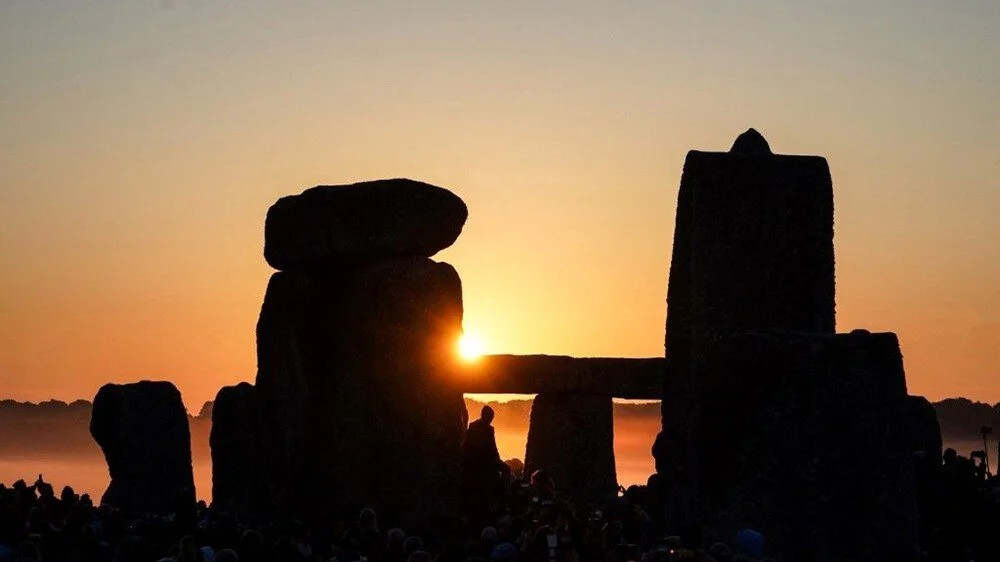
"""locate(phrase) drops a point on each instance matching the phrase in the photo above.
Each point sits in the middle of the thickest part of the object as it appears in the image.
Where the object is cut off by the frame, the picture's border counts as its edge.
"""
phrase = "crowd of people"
(505, 517)
(960, 508)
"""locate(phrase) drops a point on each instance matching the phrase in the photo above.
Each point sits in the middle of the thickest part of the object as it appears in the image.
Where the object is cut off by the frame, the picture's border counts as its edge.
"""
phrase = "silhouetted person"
(482, 468)
(365, 537)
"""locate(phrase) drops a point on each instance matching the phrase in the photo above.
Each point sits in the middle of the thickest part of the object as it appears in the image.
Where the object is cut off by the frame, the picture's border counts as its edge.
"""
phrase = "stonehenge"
(770, 419)
(142, 429)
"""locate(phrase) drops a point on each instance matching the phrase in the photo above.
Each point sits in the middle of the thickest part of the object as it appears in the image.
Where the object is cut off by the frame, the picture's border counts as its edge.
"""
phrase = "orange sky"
(143, 143)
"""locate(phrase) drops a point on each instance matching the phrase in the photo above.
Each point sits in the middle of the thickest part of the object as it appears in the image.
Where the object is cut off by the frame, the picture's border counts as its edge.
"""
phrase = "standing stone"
(143, 430)
(924, 431)
(753, 250)
(356, 396)
(355, 369)
(236, 459)
(571, 437)
(287, 349)
(810, 446)
(753, 245)
(327, 226)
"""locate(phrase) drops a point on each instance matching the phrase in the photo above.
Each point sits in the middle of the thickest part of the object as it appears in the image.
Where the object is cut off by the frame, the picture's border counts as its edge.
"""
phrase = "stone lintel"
(640, 379)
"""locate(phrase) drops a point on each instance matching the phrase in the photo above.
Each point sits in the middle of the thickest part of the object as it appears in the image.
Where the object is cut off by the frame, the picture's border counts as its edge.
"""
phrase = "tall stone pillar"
(770, 420)
(753, 250)
(571, 437)
(356, 397)
(237, 463)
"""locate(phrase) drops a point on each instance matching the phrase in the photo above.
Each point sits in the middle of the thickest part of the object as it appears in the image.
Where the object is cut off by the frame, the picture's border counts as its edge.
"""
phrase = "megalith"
(236, 458)
(571, 437)
(356, 392)
(770, 419)
(330, 225)
(753, 245)
(924, 431)
(753, 250)
(811, 446)
(142, 428)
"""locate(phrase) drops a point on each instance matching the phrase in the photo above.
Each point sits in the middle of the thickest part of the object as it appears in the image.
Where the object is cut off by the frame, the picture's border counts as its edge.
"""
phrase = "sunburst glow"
(470, 347)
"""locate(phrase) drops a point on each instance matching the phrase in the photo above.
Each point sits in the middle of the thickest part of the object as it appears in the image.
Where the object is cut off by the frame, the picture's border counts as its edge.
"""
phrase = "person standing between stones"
(483, 470)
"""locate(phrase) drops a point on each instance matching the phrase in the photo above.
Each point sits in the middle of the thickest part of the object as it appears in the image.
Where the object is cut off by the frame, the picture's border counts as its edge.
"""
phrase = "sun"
(470, 347)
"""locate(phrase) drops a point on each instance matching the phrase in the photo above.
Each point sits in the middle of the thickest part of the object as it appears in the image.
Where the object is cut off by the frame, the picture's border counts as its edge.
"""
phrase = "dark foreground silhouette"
(770, 418)
(526, 520)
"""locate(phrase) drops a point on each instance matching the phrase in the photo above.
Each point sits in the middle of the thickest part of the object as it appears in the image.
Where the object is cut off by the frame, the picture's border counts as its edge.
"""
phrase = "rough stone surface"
(924, 430)
(355, 372)
(328, 226)
(753, 247)
(771, 421)
(753, 250)
(571, 437)
(810, 445)
(535, 374)
(236, 459)
(143, 430)
(286, 352)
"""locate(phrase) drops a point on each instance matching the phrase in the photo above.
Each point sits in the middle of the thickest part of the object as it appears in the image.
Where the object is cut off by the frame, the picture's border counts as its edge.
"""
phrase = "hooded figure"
(482, 468)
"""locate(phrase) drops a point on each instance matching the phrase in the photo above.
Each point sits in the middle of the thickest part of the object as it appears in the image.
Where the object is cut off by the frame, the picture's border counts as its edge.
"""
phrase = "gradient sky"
(141, 144)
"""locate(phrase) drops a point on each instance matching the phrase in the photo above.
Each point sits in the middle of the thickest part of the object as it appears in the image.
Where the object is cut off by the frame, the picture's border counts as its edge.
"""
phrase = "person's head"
(419, 556)
(486, 414)
(541, 481)
(412, 544)
(396, 536)
(489, 534)
(251, 542)
(187, 549)
(226, 555)
(26, 551)
(950, 455)
(750, 543)
(503, 552)
(721, 552)
(367, 519)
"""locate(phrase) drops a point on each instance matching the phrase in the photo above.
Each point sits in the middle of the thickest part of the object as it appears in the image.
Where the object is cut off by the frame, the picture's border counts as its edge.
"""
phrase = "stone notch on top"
(331, 225)
(751, 142)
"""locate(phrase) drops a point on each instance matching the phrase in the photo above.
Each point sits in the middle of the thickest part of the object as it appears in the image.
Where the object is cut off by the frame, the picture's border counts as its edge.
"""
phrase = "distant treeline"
(55, 428)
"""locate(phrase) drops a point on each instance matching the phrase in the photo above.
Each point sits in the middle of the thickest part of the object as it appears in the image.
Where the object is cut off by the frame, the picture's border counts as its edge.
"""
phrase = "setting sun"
(470, 347)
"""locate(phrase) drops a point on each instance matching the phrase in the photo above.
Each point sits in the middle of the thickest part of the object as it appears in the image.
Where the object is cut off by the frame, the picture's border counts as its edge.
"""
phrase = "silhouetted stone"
(236, 459)
(753, 247)
(924, 431)
(753, 250)
(143, 430)
(770, 421)
(809, 445)
(286, 351)
(327, 226)
(750, 142)
(571, 437)
(535, 374)
(355, 377)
